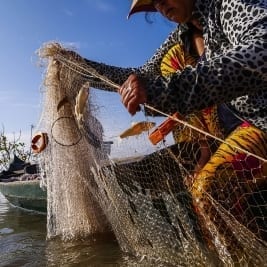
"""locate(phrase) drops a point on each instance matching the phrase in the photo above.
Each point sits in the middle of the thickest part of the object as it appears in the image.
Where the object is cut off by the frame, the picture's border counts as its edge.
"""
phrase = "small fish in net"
(138, 128)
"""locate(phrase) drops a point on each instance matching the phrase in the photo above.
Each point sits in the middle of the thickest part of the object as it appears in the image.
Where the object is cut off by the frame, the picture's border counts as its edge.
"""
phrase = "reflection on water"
(22, 236)
(83, 253)
(23, 243)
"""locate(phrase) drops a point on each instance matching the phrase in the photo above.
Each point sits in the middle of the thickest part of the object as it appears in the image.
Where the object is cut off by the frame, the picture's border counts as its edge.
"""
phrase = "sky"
(98, 29)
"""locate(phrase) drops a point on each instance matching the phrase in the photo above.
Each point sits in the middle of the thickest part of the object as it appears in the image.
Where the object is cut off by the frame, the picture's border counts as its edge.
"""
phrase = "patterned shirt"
(235, 33)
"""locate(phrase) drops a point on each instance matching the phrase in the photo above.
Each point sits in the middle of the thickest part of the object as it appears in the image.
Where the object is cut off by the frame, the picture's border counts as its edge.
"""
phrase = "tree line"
(10, 147)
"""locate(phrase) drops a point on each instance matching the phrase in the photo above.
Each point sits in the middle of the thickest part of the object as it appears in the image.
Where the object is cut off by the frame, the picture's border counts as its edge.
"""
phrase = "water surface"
(23, 243)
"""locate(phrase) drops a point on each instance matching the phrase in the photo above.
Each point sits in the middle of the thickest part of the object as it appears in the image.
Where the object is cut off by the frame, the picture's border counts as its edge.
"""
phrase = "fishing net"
(154, 199)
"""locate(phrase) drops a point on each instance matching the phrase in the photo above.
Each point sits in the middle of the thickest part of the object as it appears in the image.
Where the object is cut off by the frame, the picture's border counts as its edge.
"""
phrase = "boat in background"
(25, 194)
(20, 185)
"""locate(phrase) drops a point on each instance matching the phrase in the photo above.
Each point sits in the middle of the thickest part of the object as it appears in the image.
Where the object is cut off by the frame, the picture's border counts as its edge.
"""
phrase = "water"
(23, 243)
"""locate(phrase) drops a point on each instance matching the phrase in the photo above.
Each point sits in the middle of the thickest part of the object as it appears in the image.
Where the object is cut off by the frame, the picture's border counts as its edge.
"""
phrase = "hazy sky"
(98, 29)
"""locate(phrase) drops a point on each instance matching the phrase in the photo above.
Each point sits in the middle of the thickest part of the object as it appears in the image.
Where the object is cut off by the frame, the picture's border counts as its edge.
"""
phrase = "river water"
(23, 243)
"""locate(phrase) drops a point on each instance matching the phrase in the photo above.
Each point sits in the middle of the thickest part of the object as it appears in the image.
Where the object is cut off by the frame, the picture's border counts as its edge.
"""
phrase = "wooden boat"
(25, 194)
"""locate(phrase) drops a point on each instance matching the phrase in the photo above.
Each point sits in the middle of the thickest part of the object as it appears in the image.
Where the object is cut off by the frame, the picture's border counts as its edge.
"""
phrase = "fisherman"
(235, 69)
(184, 46)
(234, 72)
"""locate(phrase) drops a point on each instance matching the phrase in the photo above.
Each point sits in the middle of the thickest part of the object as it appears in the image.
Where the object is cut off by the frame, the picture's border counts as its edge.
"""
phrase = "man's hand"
(133, 93)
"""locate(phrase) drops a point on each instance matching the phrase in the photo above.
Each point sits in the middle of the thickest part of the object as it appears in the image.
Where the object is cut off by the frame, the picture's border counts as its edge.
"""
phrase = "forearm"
(119, 74)
(212, 82)
(113, 73)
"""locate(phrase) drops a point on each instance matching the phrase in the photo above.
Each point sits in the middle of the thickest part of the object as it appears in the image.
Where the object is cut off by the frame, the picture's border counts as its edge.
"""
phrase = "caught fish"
(81, 100)
(137, 128)
(79, 109)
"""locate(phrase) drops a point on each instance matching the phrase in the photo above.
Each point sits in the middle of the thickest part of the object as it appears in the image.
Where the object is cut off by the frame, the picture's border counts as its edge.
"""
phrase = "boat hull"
(25, 194)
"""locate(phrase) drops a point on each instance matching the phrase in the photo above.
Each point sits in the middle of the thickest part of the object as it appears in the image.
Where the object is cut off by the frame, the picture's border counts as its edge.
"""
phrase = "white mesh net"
(150, 196)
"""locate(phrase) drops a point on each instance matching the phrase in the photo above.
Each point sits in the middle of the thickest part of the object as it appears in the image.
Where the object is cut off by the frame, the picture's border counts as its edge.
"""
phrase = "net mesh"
(154, 198)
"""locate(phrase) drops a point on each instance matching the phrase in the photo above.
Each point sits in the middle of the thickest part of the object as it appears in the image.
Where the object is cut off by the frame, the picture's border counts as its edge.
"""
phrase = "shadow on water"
(23, 243)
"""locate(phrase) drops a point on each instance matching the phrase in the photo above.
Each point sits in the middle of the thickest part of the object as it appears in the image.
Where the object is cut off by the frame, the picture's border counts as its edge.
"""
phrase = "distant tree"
(9, 148)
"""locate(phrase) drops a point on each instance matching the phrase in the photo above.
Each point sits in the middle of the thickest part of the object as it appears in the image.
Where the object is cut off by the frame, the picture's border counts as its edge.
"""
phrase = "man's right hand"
(133, 93)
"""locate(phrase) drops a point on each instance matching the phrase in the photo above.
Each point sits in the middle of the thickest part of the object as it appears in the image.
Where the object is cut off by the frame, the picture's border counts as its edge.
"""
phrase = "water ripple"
(6, 231)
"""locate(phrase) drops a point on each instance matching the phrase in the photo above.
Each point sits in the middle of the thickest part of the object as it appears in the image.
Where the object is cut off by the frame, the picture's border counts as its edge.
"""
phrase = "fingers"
(133, 94)
(128, 98)
(132, 105)
(126, 93)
